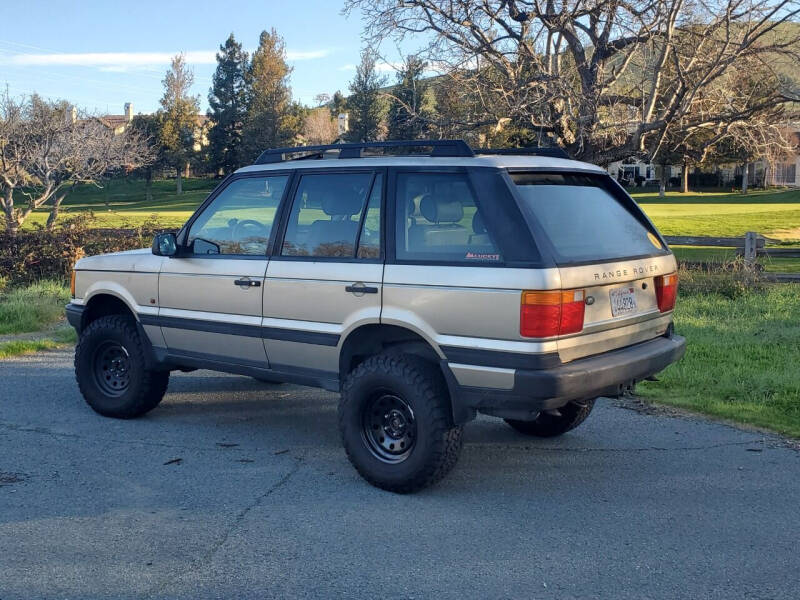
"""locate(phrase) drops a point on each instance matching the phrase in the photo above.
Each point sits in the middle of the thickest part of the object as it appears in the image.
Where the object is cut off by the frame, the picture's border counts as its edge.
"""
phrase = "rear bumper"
(549, 388)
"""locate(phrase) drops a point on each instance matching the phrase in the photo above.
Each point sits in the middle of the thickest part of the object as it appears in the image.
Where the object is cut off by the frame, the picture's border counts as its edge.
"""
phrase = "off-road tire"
(420, 384)
(546, 425)
(146, 387)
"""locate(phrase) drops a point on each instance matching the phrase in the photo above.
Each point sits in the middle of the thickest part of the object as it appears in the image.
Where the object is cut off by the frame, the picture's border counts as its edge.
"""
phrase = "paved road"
(237, 489)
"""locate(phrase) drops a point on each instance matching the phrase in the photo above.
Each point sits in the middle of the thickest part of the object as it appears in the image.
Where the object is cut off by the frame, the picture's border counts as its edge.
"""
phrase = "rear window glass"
(582, 219)
(438, 220)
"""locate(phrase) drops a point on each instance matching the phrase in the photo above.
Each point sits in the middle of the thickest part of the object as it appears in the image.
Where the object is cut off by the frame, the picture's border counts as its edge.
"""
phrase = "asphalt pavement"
(234, 488)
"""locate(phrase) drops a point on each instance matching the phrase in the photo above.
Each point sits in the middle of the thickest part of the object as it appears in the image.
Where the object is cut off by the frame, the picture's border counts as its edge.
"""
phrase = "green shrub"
(33, 255)
(730, 278)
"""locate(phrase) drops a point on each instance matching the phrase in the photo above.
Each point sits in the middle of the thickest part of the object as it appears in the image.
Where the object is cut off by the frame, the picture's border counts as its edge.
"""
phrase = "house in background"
(119, 123)
(783, 172)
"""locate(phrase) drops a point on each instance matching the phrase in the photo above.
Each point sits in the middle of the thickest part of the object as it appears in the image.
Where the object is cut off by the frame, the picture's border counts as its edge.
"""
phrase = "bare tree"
(604, 78)
(319, 127)
(46, 148)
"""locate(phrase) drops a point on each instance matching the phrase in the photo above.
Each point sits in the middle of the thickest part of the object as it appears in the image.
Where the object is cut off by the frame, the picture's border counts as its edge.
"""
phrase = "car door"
(325, 277)
(210, 298)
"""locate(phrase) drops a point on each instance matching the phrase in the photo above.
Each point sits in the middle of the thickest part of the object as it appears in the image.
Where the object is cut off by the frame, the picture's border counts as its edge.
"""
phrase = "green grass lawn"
(121, 202)
(742, 359)
(772, 213)
(775, 214)
(32, 308)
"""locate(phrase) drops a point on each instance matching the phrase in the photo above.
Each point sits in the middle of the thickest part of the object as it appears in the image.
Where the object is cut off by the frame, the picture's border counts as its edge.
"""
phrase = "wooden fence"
(751, 246)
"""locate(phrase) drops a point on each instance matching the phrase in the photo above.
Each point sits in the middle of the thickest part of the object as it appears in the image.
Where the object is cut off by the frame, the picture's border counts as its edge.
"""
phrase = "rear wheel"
(550, 425)
(394, 418)
(110, 369)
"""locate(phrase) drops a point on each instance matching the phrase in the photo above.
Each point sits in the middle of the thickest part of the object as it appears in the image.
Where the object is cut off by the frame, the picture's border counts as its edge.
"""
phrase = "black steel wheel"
(112, 368)
(396, 423)
(388, 427)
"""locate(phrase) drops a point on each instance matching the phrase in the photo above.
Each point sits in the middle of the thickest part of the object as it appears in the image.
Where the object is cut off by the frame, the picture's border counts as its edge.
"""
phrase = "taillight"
(666, 291)
(72, 284)
(548, 313)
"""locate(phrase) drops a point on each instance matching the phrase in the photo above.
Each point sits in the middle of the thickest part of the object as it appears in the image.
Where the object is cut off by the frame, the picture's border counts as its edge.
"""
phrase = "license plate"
(623, 301)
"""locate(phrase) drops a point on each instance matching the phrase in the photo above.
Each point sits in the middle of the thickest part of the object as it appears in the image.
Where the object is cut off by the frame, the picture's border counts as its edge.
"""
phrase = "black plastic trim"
(601, 375)
(500, 359)
(75, 316)
(273, 333)
(327, 380)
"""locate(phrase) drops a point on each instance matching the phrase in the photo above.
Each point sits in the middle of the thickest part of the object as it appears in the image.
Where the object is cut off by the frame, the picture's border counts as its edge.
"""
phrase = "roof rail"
(354, 150)
(551, 151)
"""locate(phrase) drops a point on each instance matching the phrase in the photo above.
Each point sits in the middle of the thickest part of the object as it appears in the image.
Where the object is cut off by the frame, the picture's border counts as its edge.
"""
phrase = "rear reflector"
(549, 313)
(666, 291)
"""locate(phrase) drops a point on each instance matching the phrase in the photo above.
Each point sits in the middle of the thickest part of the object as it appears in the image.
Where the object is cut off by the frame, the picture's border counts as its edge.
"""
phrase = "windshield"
(583, 220)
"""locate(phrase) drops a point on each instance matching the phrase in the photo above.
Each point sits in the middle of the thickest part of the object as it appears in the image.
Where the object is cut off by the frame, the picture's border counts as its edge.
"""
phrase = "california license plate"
(623, 301)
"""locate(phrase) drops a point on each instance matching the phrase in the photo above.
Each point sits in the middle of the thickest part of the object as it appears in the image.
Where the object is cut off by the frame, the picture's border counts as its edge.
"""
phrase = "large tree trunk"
(53, 216)
(745, 168)
(662, 180)
(179, 182)
(187, 170)
(12, 225)
(685, 178)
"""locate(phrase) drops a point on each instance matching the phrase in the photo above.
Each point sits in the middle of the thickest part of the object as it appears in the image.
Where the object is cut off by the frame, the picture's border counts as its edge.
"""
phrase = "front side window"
(239, 220)
(326, 215)
(438, 220)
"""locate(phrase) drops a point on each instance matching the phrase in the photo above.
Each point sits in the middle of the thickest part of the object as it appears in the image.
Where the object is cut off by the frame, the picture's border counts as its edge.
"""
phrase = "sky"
(100, 55)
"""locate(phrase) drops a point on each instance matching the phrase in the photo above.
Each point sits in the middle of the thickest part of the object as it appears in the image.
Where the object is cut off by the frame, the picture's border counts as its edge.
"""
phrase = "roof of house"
(113, 121)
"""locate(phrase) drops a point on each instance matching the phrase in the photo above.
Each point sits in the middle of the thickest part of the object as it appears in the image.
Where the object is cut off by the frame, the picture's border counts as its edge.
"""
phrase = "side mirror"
(165, 244)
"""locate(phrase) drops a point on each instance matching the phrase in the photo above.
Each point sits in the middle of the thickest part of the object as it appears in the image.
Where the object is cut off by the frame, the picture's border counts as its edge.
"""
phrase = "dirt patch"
(785, 235)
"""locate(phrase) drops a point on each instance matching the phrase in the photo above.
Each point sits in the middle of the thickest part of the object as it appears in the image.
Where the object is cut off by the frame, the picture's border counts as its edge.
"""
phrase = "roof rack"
(550, 151)
(354, 150)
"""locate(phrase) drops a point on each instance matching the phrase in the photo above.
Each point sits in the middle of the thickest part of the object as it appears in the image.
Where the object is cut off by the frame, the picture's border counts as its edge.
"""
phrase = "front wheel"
(394, 419)
(111, 371)
(550, 425)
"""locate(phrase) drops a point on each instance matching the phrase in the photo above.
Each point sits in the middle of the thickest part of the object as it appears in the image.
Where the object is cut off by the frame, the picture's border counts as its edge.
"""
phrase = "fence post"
(750, 249)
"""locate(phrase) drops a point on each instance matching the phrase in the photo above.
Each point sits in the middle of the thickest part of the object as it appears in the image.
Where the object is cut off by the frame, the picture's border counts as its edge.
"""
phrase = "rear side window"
(583, 220)
(438, 220)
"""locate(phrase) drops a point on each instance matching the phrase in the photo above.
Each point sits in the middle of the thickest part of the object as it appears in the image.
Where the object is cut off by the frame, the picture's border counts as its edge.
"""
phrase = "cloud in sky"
(119, 61)
(381, 67)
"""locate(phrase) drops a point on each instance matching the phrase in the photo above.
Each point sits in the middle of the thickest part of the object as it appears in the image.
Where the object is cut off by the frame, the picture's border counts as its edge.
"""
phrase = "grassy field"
(58, 339)
(121, 202)
(772, 213)
(742, 360)
(32, 308)
(775, 214)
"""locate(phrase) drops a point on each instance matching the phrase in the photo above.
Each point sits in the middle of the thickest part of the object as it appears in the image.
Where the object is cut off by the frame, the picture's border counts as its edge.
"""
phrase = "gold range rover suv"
(424, 281)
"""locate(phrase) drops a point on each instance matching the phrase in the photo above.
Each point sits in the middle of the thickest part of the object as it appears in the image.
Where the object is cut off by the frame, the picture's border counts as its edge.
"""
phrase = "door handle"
(247, 283)
(360, 288)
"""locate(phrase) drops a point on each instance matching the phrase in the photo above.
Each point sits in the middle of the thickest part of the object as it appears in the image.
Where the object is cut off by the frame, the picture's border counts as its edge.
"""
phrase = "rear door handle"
(247, 283)
(360, 288)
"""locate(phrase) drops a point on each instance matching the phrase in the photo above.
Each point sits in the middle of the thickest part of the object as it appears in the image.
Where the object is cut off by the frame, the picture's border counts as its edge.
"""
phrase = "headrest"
(478, 226)
(441, 209)
(341, 204)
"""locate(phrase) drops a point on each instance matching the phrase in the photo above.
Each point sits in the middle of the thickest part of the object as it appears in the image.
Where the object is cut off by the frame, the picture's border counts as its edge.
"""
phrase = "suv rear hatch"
(607, 251)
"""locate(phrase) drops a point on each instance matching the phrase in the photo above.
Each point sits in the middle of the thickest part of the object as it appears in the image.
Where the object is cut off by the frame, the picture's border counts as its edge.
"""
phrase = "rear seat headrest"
(341, 204)
(441, 209)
